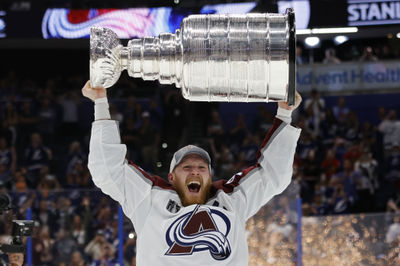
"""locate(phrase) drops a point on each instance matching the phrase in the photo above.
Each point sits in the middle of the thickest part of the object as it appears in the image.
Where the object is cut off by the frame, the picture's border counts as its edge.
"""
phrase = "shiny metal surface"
(237, 58)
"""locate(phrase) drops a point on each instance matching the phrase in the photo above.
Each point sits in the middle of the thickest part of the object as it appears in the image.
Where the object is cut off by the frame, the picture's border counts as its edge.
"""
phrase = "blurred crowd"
(336, 55)
(341, 166)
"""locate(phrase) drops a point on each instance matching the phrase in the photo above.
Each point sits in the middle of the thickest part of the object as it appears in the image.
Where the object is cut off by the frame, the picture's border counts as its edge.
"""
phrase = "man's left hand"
(297, 102)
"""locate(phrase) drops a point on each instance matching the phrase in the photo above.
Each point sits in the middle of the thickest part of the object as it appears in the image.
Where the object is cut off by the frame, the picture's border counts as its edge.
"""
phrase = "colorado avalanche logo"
(198, 231)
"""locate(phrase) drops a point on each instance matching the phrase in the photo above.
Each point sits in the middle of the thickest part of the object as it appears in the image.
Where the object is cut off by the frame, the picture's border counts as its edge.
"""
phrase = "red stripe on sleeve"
(156, 180)
(277, 122)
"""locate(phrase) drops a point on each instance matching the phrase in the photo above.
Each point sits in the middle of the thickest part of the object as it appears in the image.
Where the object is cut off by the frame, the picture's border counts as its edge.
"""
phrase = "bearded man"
(189, 220)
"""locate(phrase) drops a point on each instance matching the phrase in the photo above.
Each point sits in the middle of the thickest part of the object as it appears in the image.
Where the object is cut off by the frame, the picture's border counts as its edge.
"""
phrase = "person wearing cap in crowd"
(189, 220)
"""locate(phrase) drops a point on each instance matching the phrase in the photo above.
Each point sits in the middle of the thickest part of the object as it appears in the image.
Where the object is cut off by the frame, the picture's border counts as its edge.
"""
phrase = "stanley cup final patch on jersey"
(203, 229)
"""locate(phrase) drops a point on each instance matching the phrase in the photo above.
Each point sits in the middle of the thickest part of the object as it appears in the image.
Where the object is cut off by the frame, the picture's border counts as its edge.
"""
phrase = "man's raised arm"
(108, 167)
(255, 186)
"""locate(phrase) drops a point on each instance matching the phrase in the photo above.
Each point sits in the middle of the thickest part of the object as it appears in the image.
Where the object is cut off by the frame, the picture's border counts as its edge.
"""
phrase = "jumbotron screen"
(63, 23)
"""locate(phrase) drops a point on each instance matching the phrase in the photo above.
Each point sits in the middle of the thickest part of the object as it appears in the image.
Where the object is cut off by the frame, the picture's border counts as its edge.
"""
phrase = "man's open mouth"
(194, 186)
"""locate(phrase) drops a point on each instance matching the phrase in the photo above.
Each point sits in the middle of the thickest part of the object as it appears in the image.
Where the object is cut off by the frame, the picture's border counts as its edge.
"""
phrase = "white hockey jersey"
(210, 234)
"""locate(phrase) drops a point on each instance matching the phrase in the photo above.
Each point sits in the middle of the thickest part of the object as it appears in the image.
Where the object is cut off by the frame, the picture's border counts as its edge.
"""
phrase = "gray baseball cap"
(189, 149)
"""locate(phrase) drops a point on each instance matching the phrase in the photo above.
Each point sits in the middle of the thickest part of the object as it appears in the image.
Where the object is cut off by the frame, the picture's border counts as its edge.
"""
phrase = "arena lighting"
(327, 30)
(334, 30)
(340, 39)
(312, 42)
(131, 235)
(164, 145)
(398, 35)
(303, 31)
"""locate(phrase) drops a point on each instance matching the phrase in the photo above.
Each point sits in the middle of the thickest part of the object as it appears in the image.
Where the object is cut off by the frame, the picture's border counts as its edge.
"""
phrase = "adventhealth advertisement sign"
(372, 12)
(349, 76)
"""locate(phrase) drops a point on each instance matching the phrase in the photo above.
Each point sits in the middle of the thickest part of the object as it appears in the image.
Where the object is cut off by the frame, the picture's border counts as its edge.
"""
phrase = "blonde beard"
(186, 200)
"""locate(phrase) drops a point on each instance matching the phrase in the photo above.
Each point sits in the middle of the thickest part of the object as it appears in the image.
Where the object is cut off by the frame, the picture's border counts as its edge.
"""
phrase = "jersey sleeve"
(256, 185)
(112, 173)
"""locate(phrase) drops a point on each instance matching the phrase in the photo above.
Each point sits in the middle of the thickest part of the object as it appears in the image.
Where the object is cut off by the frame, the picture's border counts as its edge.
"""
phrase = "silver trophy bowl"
(226, 58)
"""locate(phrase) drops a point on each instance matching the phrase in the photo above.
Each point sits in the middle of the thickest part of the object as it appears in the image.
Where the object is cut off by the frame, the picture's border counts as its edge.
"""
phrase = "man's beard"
(187, 199)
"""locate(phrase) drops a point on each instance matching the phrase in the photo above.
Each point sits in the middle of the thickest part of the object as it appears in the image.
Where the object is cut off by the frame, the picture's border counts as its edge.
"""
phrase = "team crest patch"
(200, 230)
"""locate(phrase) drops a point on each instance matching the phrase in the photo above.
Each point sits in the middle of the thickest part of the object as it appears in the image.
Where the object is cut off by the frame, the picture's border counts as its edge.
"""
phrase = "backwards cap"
(189, 149)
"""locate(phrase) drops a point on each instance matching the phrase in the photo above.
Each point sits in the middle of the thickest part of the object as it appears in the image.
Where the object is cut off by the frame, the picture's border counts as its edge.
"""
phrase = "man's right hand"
(93, 93)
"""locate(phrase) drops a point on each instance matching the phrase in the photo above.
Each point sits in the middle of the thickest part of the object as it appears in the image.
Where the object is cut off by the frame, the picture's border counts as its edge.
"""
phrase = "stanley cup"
(225, 58)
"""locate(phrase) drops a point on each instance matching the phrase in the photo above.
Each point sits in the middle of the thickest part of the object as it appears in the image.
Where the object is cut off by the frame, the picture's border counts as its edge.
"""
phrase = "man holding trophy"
(190, 220)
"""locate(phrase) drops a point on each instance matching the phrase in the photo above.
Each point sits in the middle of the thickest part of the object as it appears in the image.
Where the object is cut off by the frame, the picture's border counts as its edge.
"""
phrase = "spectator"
(224, 159)
(305, 144)
(263, 120)
(75, 154)
(10, 115)
(47, 120)
(63, 247)
(84, 211)
(107, 256)
(45, 252)
(369, 137)
(393, 233)
(330, 57)
(352, 128)
(238, 133)
(37, 244)
(6, 132)
(393, 165)
(94, 248)
(8, 155)
(45, 215)
(79, 177)
(330, 165)
(27, 122)
(77, 259)
(390, 128)
(249, 149)
(353, 152)
(130, 136)
(300, 59)
(318, 206)
(311, 170)
(329, 128)
(368, 55)
(48, 181)
(130, 249)
(315, 107)
(340, 110)
(340, 148)
(349, 179)
(340, 202)
(36, 156)
(366, 167)
(5, 175)
(78, 231)
(132, 109)
(64, 212)
(215, 128)
(23, 197)
(70, 103)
